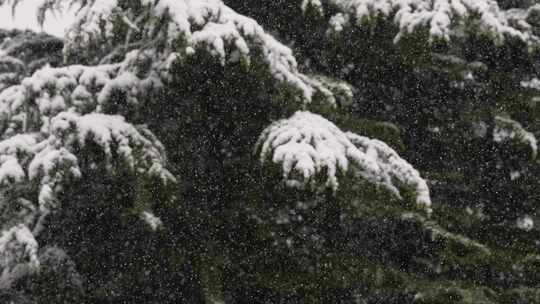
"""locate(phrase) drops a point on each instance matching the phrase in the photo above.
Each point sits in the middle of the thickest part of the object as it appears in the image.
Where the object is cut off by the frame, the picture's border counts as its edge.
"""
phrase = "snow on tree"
(174, 30)
(19, 254)
(61, 122)
(308, 146)
(12, 68)
(440, 71)
(443, 19)
(510, 130)
(447, 63)
(180, 146)
(48, 159)
(24, 52)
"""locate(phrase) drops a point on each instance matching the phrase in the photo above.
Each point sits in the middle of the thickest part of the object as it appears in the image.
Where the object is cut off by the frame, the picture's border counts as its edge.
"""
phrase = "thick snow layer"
(307, 147)
(79, 89)
(440, 17)
(10, 170)
(190, 25)
(110, 133)
(53, 160)
(47, 122)
(170, 30)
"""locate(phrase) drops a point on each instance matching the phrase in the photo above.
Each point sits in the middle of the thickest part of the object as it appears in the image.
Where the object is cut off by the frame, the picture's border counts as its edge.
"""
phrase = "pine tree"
(457, 78)
(180, 153)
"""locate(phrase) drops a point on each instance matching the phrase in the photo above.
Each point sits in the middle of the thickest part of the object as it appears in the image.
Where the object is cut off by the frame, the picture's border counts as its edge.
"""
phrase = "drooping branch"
(309, 148)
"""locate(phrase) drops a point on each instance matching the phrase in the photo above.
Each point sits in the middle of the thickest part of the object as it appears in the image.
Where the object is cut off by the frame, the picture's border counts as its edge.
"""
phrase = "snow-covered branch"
(442, 18)
(310, 148)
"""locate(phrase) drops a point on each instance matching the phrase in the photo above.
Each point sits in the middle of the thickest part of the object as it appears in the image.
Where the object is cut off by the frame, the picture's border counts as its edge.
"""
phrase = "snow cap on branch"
(309, 148)
(183, 27)
(442, 18)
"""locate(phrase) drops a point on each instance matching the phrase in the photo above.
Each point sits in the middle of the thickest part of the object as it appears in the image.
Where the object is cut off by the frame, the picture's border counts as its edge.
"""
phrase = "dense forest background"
(272, 151)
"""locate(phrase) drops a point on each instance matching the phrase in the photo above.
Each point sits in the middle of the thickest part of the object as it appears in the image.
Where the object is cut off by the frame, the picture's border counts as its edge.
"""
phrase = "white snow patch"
(153, 221)
(525, 223)
(307, 146)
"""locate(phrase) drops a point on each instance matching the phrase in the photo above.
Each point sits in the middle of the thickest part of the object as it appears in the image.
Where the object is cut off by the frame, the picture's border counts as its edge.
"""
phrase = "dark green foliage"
(232, 232)
(438, 95)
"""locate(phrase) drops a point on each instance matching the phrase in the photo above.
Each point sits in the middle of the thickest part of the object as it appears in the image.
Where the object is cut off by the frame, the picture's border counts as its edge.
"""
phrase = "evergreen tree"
(180, 153)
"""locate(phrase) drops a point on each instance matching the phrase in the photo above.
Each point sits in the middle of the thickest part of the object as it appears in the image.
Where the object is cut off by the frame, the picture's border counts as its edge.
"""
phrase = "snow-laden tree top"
(309, 148)
(442, 18)
(61, 121)
(176, 29)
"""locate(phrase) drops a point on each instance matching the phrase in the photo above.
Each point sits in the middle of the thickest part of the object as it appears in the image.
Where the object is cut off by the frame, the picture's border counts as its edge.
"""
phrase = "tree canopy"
(270, 151)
